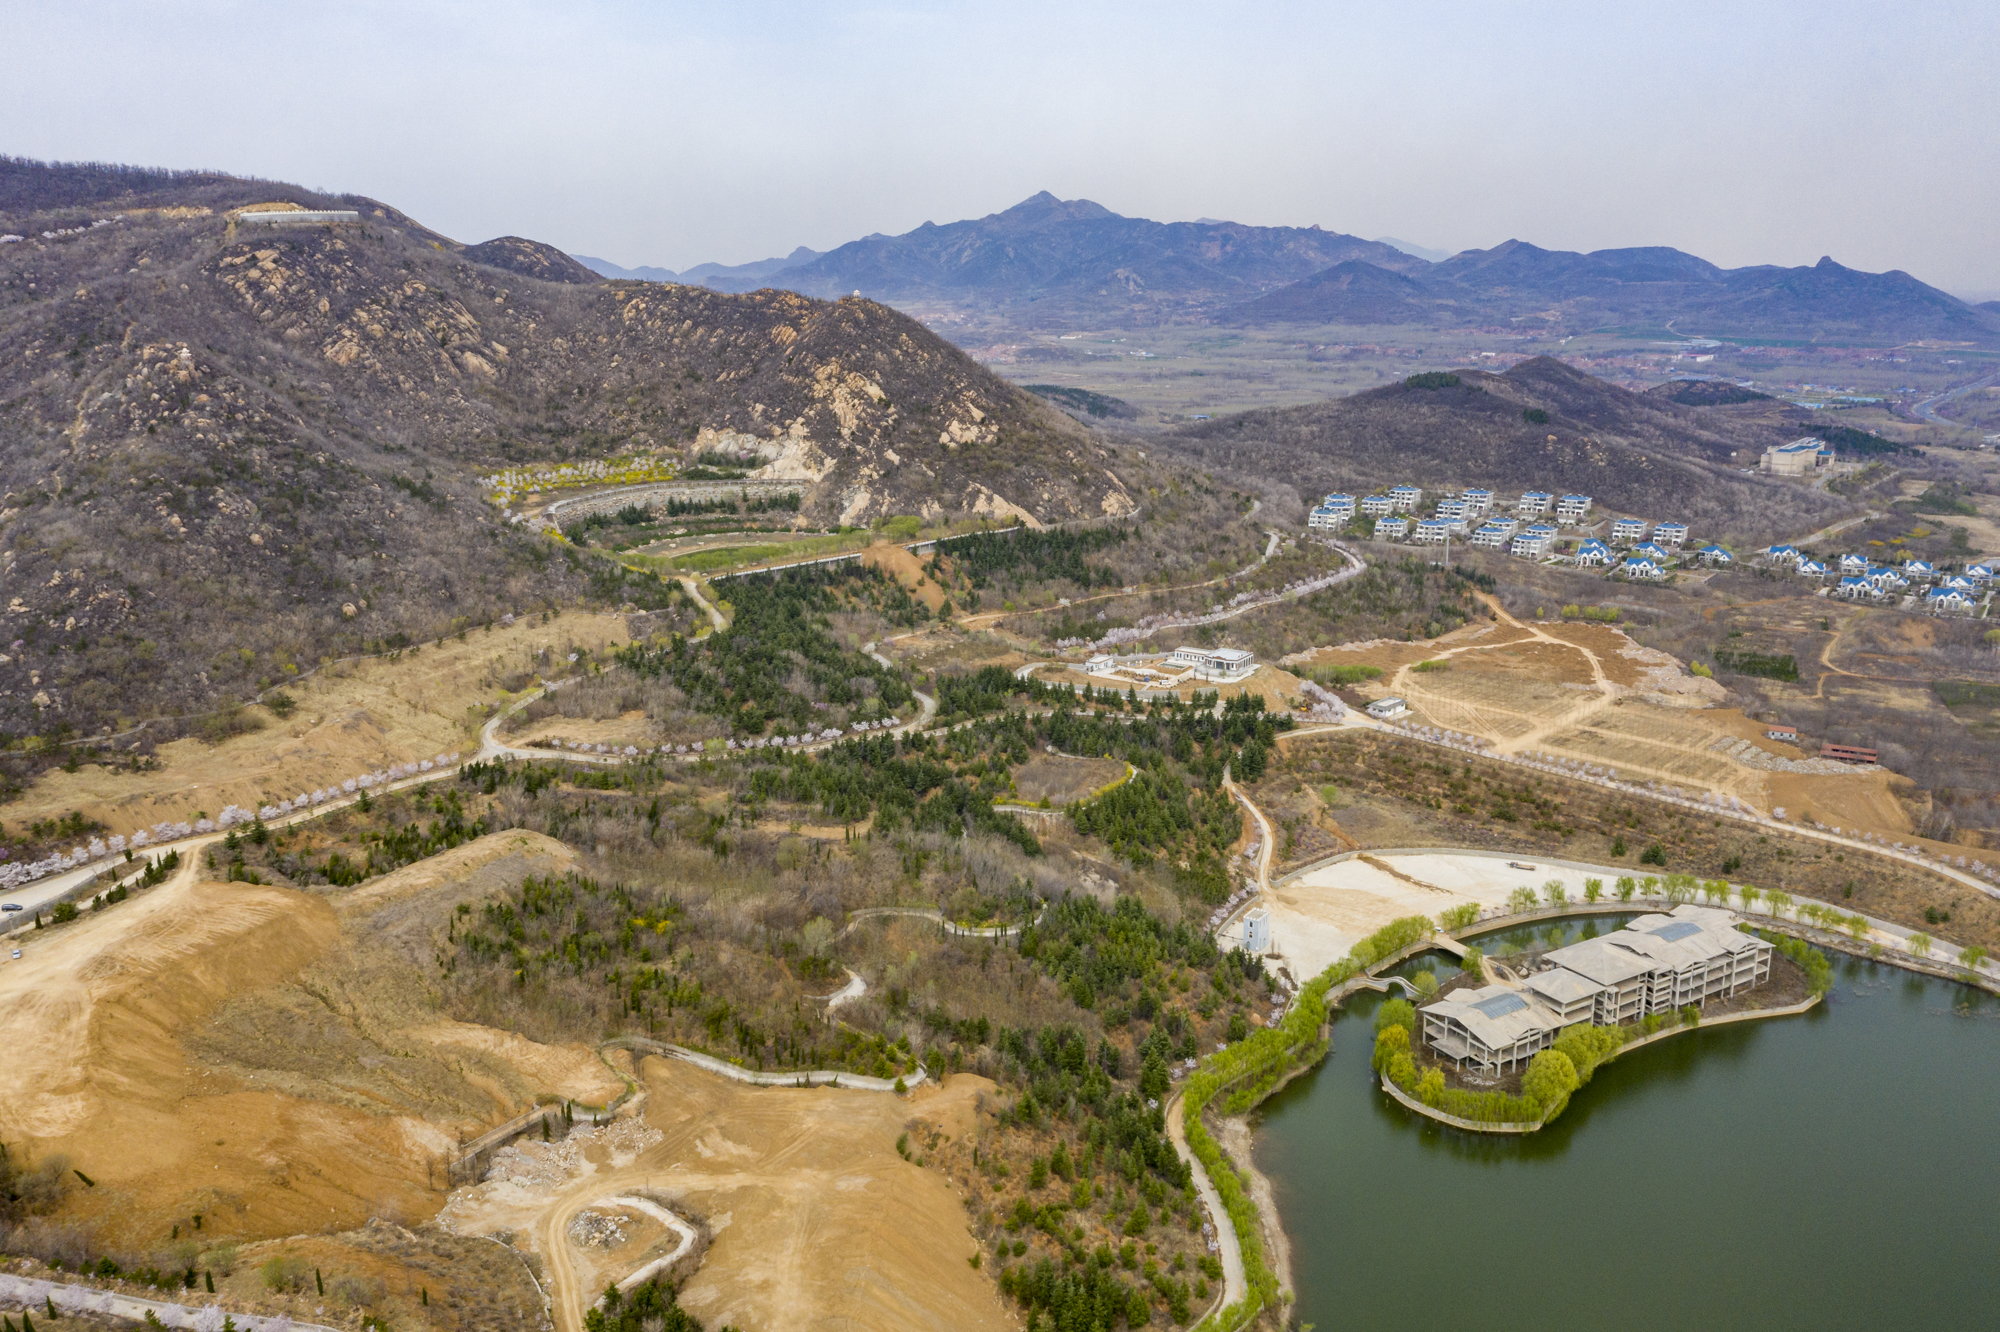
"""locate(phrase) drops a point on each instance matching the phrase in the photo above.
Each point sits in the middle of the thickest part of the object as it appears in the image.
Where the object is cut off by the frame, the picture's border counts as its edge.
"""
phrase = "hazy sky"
(674, 133)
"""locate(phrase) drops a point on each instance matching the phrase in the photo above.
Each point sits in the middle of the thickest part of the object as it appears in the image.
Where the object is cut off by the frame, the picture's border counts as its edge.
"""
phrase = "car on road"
(10, 906)
(1519, 865)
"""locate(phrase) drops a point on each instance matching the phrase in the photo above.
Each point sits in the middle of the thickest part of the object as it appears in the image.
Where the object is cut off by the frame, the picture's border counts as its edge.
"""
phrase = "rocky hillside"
(1634, 453)
(229, 449)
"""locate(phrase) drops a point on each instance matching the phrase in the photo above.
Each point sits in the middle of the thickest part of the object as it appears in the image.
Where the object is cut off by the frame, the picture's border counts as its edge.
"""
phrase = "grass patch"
(1764, 665)
(1343, 675)
(1966, 694)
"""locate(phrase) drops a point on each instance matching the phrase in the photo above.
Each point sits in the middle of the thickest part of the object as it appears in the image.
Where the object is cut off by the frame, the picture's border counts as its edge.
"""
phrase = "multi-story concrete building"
(1325, 518)
(1570, 509)
(1798, 458)
(1377, 506)
(1625, 531)
(1671, 534)
(1391, 529)
(1533, 542)
(1479, 502)
(1431, 532)
(1656, 965)
(1406, 498)
(1534, 502)
(1593, 554)
(1494, 536)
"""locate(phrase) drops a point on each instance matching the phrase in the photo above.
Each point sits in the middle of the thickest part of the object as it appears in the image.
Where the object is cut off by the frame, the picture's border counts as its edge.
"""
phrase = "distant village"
(1567, 529)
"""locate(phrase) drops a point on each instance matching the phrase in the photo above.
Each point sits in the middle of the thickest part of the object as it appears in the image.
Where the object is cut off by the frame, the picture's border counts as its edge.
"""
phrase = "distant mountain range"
(1054, 261)
(727, 277)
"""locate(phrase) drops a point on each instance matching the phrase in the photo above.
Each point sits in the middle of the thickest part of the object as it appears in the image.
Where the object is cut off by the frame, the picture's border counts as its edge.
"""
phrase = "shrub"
(285, 1272)
(1430, 1088)
(1459, 917)
(1653, 855)
(1593, 889)
(1627, 885)
(1470, 962)
(1389, 940)
(1587, 1046)
(1397, 1013)
(1522, 899)
(1550, 1079)
(1433, 379)
(1389, 1042)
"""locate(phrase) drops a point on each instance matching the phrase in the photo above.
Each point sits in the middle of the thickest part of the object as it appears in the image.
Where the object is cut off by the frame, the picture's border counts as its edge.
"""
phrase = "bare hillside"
(229, 449)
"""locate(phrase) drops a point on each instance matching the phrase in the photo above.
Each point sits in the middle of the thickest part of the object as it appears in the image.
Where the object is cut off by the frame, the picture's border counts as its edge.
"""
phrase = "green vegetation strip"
(1261, 1061)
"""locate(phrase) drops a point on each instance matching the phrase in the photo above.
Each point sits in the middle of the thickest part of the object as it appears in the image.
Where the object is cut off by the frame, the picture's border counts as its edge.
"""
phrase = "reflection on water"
(1832, 1170)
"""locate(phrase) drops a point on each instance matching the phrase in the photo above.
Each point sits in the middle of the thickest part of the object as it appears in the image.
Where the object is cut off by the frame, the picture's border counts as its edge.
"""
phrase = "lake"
(1837, 1169)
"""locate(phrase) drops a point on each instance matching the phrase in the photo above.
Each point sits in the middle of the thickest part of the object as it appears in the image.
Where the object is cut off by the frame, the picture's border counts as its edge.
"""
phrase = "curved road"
(1926, 410)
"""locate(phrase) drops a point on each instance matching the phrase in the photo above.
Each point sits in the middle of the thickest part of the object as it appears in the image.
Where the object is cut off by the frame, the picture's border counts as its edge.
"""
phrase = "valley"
(668, 807)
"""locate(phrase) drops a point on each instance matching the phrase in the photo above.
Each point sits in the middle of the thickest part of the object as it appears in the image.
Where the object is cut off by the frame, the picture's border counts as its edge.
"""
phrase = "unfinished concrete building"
(1656, 964)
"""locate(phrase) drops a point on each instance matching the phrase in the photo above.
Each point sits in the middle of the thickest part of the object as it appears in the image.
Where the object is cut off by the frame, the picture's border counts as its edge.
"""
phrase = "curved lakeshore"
(1750, 1148)
(1530, 1126)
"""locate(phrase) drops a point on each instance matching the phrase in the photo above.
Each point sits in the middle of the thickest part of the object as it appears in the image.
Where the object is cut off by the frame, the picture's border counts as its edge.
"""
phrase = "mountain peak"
(1044, 207)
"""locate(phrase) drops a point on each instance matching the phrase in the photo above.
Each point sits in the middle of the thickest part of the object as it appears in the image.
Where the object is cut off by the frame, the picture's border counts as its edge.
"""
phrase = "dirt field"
(816, 1222)
(264, 1056)
(630, 728)
(272, 1060)
(350, 719)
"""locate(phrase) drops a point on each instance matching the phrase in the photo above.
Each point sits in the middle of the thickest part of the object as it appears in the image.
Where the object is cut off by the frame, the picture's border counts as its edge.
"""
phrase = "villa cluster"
(1532, 531)
(1917, 584)
(1656, 965)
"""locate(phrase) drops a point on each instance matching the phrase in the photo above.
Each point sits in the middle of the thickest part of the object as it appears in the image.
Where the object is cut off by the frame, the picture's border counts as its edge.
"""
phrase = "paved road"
(1926, 410)
(1234, 1286)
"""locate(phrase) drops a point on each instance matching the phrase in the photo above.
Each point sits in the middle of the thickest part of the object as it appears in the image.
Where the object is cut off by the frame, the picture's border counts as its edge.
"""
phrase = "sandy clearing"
(351, 718)
(817, 1223)
(1319, 916)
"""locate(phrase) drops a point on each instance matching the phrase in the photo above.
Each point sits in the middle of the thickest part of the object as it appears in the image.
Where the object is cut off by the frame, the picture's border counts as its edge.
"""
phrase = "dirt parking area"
(1318, 917)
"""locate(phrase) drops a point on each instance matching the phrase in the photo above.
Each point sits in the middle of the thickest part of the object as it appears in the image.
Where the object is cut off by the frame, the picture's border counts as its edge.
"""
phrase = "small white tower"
(1257, 931)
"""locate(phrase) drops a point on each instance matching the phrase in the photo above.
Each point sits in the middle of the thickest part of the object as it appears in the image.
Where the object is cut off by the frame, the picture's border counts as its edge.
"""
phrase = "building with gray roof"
(1656, 964)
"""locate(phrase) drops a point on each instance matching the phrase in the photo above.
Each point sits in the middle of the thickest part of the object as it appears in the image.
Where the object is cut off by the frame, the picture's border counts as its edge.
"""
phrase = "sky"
(671, 134)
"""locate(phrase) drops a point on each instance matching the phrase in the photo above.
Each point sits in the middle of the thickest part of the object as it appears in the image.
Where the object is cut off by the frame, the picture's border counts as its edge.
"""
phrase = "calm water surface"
(1840, 1169)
